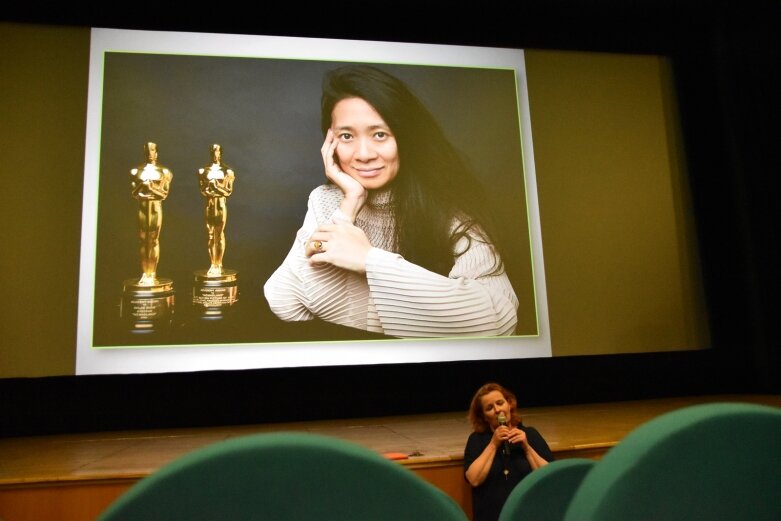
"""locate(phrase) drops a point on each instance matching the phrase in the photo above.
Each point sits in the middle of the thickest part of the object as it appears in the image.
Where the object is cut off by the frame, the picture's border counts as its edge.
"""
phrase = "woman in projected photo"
(500, 452)
(399, 241)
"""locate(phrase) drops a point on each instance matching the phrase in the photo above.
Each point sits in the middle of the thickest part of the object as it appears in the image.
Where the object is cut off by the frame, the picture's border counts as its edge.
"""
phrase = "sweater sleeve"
(395, 297)
(298, 291)
(411, 301)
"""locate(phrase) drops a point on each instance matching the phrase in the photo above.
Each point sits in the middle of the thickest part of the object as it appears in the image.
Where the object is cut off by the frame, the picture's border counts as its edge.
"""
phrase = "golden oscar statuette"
(215, 287)
(150, 184)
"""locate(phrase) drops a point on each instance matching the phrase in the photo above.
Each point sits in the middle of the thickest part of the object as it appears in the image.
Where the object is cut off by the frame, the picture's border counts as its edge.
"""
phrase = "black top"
(489, 498)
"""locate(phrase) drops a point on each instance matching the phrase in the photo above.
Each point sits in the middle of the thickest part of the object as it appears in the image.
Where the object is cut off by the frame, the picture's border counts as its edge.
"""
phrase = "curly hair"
(476, 417)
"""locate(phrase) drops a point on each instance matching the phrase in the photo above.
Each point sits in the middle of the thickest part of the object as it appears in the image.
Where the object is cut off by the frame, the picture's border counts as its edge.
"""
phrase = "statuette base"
(159, 287)
(226, 278)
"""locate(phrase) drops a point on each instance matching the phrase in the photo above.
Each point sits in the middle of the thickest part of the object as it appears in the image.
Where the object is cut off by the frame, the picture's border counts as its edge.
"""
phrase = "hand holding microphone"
(502, 419)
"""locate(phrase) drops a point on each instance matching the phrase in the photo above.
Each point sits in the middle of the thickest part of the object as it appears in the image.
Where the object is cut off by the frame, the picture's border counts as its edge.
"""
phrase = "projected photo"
(247, 195)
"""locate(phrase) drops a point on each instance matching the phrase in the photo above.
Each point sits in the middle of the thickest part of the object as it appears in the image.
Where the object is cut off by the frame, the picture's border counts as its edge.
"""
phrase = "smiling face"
(366, 149)
(492, 404)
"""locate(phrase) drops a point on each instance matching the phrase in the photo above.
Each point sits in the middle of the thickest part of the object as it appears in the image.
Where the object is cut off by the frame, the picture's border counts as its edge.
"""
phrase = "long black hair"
(434, 188)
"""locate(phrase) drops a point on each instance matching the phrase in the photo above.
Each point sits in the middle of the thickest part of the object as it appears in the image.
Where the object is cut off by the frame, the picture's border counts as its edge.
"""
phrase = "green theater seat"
(281, 477)
(545, 494)
(710, 462)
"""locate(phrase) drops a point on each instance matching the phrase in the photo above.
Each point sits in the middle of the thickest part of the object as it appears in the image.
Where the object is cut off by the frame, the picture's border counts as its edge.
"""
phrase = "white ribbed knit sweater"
(394, 297)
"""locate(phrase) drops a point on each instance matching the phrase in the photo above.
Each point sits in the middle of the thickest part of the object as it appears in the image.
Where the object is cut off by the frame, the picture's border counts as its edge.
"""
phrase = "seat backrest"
(283, 476)
(545, 494)
(714, 461)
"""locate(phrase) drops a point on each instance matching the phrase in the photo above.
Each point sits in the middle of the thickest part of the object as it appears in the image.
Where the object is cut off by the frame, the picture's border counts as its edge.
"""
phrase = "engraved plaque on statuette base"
(214, 300)
(147, 313)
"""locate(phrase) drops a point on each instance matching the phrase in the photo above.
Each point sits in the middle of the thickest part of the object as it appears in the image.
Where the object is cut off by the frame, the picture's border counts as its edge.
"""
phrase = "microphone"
(503, 421)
